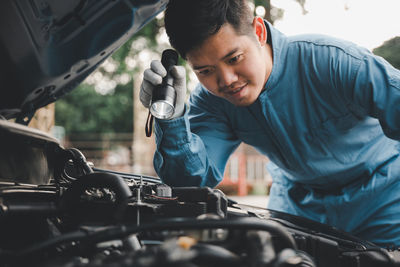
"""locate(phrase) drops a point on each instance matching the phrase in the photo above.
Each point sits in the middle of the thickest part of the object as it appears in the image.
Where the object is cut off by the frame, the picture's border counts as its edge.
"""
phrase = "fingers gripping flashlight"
(164, 96)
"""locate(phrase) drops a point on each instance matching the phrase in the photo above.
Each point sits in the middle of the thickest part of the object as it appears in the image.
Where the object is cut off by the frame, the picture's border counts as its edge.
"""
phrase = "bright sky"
(365, 22)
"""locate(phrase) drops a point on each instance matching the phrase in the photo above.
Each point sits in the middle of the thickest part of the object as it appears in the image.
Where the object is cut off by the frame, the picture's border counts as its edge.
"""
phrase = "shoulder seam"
(328, 45)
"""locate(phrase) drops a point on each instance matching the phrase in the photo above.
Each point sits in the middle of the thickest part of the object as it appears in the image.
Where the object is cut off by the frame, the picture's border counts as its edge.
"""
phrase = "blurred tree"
(84, 110)
(265, 9)
(43, 118)
(103, 102)
(390, 50)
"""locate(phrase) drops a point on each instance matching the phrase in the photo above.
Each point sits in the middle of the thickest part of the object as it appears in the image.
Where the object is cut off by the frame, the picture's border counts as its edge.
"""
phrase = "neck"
(269, 61)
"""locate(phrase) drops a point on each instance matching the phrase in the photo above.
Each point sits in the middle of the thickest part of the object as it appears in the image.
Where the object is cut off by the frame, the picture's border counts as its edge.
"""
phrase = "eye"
(235, 59)
(204, 72)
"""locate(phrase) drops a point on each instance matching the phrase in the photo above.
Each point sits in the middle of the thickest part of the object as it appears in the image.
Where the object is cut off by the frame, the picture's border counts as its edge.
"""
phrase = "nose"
(226, 77)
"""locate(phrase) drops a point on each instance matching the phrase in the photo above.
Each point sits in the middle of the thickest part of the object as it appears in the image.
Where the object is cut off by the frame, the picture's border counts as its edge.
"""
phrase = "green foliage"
(273, 13)
(86, 111)
(149, 32)
(390, 50)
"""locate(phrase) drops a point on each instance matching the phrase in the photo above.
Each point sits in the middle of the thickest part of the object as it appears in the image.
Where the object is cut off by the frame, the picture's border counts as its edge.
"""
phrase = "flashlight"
(164, 95)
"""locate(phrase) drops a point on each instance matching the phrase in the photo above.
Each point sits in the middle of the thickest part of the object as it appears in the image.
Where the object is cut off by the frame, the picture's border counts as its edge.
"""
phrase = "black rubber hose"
(207, 254)
(242, 223)
(79, 159)
(71, 197)
(119, 232)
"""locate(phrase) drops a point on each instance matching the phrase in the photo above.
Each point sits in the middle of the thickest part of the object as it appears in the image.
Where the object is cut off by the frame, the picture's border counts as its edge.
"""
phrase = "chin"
(243, 103)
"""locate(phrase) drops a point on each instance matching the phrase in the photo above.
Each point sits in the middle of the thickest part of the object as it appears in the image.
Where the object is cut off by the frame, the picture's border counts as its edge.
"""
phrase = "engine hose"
(79, 159)
(207, 254)
(70, 199)
(121, 231)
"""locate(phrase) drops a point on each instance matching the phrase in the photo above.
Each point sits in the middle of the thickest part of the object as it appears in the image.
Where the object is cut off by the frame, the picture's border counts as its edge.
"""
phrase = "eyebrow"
(233, 51)
(230, 53)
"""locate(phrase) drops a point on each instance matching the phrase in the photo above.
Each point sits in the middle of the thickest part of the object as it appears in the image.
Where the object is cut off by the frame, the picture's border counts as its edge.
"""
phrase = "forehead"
(218, 46)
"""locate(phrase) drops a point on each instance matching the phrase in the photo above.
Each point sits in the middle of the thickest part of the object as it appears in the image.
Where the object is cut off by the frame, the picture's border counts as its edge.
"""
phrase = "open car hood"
(48, 47)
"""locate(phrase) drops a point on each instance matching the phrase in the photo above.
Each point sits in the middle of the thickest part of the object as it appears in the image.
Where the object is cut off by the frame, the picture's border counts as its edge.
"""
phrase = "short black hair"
(190, 22)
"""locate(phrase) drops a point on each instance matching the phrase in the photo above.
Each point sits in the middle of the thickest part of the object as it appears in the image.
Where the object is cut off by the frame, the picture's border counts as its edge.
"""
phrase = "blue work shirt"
(328, 119)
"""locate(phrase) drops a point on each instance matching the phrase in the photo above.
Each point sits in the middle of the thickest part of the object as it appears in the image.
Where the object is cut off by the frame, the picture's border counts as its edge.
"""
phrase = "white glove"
(153, 77)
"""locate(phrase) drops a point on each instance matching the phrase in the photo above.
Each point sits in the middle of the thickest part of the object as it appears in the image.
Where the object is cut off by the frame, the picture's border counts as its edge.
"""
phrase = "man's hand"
(153, 77)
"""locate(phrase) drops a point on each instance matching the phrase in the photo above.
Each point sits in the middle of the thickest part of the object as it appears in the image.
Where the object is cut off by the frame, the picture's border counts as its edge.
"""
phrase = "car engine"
(58, 210)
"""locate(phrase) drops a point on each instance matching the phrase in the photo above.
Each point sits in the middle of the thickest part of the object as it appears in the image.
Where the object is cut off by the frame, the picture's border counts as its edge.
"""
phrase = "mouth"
(237, 90)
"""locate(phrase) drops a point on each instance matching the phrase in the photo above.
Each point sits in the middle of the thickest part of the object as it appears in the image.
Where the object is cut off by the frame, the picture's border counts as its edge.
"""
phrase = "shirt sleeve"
(193, 150)
(375, 90)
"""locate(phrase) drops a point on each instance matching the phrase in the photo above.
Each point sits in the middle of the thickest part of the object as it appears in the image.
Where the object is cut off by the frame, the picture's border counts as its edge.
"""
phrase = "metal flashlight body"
(164, 95)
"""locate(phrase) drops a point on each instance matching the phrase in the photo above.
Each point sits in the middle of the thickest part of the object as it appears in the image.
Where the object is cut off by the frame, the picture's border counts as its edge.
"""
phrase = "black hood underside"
(47, 48)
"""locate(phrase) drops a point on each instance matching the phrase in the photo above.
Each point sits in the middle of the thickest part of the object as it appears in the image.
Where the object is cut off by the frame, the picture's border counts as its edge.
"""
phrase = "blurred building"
(246, 173)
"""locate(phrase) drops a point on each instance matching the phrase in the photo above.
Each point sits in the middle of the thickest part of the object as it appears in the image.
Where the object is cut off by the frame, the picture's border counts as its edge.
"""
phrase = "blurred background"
(105, 120)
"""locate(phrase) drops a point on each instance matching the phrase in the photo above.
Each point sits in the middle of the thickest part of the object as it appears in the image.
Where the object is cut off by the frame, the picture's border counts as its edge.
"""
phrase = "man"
(326, 113)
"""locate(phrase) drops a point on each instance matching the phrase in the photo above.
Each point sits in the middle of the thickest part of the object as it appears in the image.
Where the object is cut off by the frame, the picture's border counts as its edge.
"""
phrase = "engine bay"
(58, 210)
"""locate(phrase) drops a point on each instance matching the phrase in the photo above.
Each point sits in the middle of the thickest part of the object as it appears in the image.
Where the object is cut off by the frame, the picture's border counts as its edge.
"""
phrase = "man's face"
(231, 66)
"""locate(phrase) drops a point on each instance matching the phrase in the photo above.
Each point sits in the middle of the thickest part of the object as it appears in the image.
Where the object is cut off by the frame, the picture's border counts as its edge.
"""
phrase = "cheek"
(209, 83)
(247, 69)
(252, 71)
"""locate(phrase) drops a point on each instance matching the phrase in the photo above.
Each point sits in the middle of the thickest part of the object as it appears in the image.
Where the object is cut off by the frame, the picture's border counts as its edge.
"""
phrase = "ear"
(260, 30)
